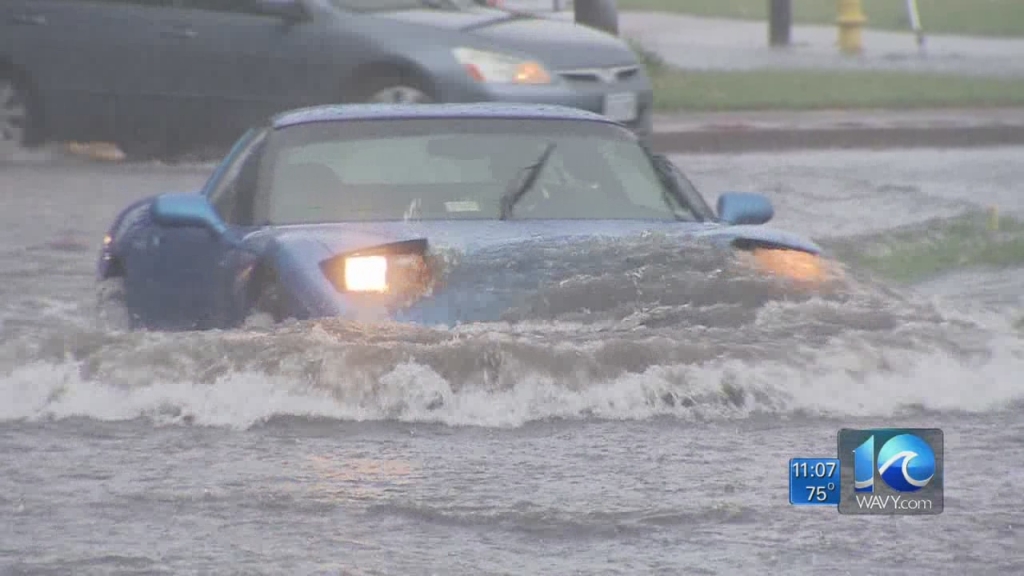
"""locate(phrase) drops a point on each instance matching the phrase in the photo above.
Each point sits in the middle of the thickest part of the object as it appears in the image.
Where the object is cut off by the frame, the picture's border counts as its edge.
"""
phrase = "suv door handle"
(180, 33)
(28, 19)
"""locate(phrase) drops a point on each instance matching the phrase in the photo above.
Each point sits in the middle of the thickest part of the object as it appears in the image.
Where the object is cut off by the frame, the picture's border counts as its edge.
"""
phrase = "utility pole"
(780, 22)
(600, 14)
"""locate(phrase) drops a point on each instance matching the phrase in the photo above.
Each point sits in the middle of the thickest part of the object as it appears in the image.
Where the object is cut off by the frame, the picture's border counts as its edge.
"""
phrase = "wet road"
(654, 442)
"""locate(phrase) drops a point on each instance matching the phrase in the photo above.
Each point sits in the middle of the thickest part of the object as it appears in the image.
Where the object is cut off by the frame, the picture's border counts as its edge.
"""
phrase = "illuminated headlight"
(366, 274)
(793, 264)
(493, 67)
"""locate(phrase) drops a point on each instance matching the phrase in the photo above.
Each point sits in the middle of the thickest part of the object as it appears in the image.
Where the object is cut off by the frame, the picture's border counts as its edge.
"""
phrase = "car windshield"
(465, 168)
(391, 5)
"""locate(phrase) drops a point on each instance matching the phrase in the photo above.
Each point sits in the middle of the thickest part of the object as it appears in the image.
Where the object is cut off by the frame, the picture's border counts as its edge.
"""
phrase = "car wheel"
(112, 306)
(267, 307)
(400, 95)
(393, 89)
(18, 125)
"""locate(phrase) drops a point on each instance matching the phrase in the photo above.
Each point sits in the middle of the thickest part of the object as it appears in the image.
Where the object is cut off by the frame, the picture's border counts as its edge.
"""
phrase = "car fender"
(116, 242)
(749, 236)
(294, 264)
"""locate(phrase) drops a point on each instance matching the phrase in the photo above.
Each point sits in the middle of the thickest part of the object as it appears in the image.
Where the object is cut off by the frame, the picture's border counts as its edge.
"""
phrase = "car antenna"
(515, 190)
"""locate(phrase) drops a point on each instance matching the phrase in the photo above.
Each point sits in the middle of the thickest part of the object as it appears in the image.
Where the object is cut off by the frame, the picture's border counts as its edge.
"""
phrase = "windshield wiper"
(516, 189)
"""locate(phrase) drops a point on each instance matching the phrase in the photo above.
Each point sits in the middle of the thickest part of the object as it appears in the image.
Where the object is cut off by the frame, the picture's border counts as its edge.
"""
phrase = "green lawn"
(975, 17)
(916, 254)
(677, 90)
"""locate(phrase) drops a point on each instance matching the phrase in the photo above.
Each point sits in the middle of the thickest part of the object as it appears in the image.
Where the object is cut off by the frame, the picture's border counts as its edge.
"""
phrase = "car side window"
(232, 195)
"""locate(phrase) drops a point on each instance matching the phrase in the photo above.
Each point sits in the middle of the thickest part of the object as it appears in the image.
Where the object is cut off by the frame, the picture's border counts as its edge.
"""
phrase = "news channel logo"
(891, 471)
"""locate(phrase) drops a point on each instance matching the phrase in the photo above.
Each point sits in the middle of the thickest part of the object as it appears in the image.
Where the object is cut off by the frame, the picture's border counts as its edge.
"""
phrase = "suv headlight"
(493, 67)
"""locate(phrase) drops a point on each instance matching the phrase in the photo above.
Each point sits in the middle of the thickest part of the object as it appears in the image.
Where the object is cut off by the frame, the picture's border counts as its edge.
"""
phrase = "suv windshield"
(465, 168)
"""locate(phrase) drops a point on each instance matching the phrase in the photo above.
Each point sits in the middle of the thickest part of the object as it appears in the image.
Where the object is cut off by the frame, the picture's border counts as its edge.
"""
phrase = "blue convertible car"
(374, 211)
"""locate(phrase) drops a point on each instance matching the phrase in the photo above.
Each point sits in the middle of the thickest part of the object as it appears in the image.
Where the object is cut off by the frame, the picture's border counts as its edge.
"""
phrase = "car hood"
(492, 268)
(559, 44)
(469, 236)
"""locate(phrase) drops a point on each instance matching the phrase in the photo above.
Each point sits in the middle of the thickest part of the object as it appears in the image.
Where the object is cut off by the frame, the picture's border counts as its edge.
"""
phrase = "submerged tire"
(112, 306)
(267, 306)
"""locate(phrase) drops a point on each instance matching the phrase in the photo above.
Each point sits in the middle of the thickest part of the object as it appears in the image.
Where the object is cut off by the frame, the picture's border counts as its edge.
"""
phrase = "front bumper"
(583, 94)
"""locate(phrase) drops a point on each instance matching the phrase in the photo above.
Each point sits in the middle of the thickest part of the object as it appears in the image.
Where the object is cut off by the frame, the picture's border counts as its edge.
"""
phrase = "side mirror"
(186, 210)
(744, 208)
(288, 10)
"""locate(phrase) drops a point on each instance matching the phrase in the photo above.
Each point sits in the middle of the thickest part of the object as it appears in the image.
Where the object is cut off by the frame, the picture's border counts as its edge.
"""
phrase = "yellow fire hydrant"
(851, 21)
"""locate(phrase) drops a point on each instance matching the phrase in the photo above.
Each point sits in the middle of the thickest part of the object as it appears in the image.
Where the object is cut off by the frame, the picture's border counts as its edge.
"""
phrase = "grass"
(916, 254)
(793, 89)
(676, 90)
(698, 90)
(972, 17)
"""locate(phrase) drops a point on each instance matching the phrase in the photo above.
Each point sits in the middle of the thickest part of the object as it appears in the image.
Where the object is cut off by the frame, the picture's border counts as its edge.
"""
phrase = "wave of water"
(667, 334)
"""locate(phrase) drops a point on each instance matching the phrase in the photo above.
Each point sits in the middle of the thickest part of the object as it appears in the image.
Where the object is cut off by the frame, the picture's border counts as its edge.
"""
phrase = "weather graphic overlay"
(814, 481)
(891, 471)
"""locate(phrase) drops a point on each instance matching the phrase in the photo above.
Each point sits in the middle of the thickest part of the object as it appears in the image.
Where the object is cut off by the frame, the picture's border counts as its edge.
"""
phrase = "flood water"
(649, 434)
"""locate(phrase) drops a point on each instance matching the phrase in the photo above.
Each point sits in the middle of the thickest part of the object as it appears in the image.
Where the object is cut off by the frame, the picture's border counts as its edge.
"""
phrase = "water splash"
(505, 376)
(631, 333)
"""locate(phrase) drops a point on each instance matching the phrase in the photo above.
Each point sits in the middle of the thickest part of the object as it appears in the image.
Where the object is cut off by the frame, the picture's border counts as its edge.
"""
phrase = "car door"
(86, 58)
(242, 63)
(192, 272)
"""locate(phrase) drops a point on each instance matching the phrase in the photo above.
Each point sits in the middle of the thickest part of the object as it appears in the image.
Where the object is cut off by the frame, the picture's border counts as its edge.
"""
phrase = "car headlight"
(366, 274)
(493, 67)
(793, 264)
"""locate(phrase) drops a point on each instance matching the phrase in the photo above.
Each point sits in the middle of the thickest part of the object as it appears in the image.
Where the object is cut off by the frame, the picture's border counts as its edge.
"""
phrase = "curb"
(735, 141)
(719, 132)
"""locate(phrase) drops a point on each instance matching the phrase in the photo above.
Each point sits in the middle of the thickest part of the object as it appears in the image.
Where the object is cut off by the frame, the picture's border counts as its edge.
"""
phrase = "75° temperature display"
(814, 481)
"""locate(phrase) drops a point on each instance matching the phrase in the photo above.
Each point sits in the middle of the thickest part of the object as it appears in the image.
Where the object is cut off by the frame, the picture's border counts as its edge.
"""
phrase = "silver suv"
(160, 76)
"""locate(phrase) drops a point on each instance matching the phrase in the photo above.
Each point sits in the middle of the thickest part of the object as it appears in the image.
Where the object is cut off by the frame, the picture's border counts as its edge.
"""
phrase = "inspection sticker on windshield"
(620, 107)
(462, 206)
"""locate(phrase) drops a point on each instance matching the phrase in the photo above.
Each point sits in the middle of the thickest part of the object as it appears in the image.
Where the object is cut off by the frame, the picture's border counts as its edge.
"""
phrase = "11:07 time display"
(814, 481)
(802, 468)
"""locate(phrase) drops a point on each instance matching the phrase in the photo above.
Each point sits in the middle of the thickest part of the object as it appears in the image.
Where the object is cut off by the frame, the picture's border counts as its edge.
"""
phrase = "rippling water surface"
(637, 418)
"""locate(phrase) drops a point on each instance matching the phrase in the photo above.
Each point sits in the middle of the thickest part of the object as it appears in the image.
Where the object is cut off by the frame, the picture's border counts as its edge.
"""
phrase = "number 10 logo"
(906, 463)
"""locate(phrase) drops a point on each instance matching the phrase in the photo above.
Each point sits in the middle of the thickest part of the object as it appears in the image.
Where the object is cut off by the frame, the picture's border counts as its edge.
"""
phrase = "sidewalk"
(726, 44)
(719, 44)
